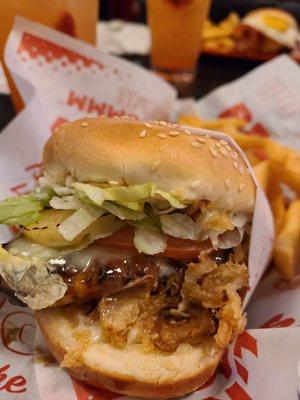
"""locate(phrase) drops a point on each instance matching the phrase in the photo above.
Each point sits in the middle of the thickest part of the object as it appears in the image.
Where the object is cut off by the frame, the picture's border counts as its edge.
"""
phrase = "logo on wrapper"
(17, 335)
(241, 111)
(227, 369)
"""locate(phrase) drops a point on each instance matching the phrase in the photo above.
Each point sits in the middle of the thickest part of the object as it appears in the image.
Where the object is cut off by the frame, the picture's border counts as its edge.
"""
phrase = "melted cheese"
(103, 255)
(66, 257)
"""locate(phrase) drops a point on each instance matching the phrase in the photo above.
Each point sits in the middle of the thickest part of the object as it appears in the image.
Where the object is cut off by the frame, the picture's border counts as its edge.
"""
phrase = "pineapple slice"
(45, 230)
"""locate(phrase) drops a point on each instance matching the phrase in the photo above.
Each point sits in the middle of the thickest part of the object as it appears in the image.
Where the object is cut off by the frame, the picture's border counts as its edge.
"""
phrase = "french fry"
(226, 43)
(211, 31)
(212, 124)
(210, 44)
(290, 174)
(255, 157)
(230, 22)
(233, 122)
(223, 29)
(192, 120)
(262, 172)
(287, 249)
(277, 203)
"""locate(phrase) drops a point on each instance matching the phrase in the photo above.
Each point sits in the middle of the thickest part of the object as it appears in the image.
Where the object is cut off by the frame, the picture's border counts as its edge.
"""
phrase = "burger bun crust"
(130, 370)
(125, 151)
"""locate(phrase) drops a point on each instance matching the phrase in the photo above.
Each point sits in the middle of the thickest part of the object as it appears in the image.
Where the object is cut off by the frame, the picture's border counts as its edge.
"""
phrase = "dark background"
(134, 10)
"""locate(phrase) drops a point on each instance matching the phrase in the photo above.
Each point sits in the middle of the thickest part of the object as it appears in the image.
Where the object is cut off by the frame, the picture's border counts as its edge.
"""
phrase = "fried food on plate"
(220, 36)
(266, 30)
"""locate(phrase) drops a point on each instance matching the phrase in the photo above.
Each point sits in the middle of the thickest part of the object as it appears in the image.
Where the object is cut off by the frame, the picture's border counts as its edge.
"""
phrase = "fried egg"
(275, 24)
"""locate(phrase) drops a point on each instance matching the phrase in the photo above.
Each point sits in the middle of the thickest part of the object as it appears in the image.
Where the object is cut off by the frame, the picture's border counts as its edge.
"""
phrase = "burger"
(133, 253)
(267, 30)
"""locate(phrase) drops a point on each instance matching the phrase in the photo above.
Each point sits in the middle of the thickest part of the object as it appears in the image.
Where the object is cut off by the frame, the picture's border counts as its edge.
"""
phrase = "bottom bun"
(75, 341)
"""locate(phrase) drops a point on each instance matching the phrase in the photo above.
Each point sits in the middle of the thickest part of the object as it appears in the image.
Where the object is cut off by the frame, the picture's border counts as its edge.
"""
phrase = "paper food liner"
(257, 365)
(268, 98)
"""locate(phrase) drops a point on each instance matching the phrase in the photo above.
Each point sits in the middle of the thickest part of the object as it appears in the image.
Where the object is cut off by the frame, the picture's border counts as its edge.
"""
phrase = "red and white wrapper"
(268, 98)
(62, 79)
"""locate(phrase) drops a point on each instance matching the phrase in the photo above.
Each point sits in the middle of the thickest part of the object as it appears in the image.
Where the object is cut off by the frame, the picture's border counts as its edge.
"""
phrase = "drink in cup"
(176, 27)
(74, 17)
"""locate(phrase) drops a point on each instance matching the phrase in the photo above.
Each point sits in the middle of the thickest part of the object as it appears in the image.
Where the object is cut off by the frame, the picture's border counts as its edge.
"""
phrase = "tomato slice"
(176, 248)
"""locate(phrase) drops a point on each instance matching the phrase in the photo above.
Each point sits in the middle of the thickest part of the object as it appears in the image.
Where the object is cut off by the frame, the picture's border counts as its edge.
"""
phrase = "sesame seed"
(213, 152)
(143, 133)
(218, 145)
(162, 136)
(163, 123)
(235, 164)
(84, 124)
(187, 132)
(223, 142)
(241, 187)
(227, 183)
(175, 125)
(195, 185)
(147, 125)
(223, 152)
(201, 140)
(174, 133)
(196, 144)
(228, 148)
(234, 155)
(113, 183)
(155, 165)
(241, 170)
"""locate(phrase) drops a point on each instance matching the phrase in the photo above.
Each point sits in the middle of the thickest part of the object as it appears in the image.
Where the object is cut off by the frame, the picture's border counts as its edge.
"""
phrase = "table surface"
(212, 72)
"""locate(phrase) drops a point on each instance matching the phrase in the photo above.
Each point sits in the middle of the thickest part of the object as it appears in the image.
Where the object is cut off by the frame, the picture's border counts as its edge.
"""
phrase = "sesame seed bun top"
(125, 151)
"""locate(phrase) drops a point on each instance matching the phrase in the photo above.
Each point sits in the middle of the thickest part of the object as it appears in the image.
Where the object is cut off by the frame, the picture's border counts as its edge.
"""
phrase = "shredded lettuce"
(239, 219)
(133, 206)
(103, 227)
(179, 225)
(122, 212)
(132, 197)
(127, 196)
(149, 242)
(171, 199)
(139, 205)
(46, 182)
(79, 221)
(24, 210)
(230, 239)
(94, 193)
(65, 203)
(147, 223)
